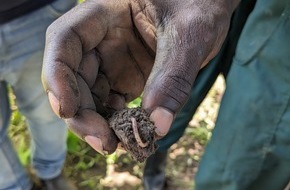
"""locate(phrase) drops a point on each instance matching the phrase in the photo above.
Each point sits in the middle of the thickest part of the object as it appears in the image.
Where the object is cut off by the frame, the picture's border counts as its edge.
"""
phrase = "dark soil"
(135, 131)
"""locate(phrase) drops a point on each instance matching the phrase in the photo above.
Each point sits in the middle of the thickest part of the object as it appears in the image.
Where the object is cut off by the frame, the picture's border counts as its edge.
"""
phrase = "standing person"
(154, 177)
(249, 147)
(23, 24)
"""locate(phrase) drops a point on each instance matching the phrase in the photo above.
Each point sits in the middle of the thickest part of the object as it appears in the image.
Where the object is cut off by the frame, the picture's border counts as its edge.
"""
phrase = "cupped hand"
(99, 56)
(95, 61)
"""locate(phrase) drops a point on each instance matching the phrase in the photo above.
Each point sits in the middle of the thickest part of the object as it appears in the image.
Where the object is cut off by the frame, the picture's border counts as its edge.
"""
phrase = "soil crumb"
(135, 131)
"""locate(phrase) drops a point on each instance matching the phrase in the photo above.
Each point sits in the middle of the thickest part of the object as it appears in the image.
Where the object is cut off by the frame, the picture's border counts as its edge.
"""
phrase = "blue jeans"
(22, 43)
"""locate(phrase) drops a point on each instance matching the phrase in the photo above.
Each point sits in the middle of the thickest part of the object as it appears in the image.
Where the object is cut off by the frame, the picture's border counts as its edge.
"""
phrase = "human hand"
(95, 61)
(189, 34)
(110, 45)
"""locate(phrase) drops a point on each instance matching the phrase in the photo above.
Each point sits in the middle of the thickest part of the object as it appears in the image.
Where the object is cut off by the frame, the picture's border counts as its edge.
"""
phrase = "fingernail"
(95, 143)
(116, 101)
(54, 103)
(162, 119)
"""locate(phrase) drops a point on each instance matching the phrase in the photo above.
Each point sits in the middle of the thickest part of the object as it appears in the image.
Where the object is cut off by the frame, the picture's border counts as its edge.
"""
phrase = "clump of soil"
(135, 131)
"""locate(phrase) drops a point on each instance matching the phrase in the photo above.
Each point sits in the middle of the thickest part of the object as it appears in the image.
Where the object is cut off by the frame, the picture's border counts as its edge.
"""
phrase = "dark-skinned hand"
(102, 54)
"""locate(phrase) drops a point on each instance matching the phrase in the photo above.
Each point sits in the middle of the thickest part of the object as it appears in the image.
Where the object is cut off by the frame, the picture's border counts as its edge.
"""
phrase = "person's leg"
(250, 144)
(12, 174)
(48, 133)
(26, 39)
(154, 171)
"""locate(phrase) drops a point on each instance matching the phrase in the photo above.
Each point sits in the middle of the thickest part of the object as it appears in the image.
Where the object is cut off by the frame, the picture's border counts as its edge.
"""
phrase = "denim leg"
(21, 61)
(12, 174)
(48, 132)
(5, 111)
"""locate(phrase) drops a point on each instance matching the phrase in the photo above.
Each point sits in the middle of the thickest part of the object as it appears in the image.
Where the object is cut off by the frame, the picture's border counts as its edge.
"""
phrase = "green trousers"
(250, 145)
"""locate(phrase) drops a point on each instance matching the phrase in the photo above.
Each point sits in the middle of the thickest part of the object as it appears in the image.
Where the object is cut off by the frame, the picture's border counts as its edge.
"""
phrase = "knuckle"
(177, 89)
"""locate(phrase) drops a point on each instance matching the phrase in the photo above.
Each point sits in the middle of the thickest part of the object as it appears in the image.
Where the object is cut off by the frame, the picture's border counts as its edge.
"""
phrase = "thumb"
(168, 86)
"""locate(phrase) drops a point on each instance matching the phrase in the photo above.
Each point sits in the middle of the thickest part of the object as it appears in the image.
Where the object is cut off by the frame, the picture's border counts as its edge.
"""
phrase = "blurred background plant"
(92, 171)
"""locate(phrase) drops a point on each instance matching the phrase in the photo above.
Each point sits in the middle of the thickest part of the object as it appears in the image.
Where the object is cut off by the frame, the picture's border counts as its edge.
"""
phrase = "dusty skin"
(135, 131)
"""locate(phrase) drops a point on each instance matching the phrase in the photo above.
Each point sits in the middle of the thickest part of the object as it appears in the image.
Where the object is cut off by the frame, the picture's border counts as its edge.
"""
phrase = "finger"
(68, 38)
(176, 66)
(100, 92)
(86, 98)
(116, 101)
(81, 124)
(145, 24)
(94, 129)
(125, 77)
(129, 66)
(172, 75)
(101, 88)
(89, 67)
(162, 119)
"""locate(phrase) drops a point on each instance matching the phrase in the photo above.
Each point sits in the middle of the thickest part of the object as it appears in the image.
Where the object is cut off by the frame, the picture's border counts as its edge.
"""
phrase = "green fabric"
(250, 145)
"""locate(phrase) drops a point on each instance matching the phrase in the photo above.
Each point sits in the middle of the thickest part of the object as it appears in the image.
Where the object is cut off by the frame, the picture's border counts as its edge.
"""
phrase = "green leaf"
(135, 103)
(73, 143)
